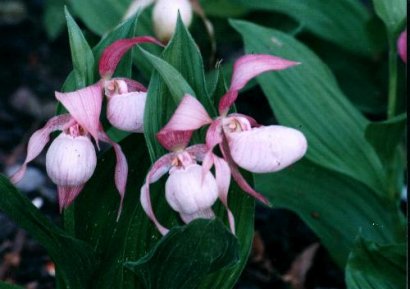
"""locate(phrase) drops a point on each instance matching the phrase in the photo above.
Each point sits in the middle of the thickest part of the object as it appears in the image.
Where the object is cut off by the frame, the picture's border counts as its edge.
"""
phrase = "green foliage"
(4, 285)
(74, 258)
(53, 19)
(191, 253)
(392, 12)
(375, 266)
(307, 97)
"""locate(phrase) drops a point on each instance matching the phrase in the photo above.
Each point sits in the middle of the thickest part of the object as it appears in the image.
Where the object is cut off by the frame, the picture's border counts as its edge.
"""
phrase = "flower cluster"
(71, 158)
(191, 189)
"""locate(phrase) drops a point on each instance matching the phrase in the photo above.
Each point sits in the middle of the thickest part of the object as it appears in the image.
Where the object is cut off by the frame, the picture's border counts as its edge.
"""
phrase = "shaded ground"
(32, 68)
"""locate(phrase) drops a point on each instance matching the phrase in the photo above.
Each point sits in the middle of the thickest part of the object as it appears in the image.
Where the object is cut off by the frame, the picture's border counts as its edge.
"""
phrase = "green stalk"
(391, 109)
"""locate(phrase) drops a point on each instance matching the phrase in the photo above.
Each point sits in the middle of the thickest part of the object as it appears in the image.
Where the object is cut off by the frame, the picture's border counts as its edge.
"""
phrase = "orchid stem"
(391, 109)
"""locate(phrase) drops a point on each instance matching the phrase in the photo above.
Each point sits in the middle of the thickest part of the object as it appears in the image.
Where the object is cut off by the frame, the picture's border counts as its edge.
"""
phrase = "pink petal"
(207, 213)
(240, 180)
(223, 180)
(112, 54)
(214, 134)
(67, 194)
(84, 105)
(189, 115)
(174, 140)
(159, 168)
(266, 149)
(402, 46)
(246, 68)
(38, 141)
(121, 168)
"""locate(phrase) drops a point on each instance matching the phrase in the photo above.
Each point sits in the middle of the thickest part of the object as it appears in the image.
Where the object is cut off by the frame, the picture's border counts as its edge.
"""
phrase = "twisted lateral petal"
(126, 111)
(67, 194)
(121, 167)
(246, 68)
(214, 134)
(174, 140)
(198, 151)
(84, 105)
(159, 168)
(38, 141)
(112, 54)
(223, 179)
(189, 115)
(240, 180)
(266, 149)
(402, 46)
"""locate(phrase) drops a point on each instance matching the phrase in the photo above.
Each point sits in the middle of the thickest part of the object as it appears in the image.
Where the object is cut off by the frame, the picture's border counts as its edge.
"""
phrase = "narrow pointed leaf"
(81, 54)
(308, 98)
(73, 258)
(191, 252)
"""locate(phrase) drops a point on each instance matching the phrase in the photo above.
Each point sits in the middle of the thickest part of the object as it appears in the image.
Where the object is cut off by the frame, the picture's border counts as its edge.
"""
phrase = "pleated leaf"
(308, 98)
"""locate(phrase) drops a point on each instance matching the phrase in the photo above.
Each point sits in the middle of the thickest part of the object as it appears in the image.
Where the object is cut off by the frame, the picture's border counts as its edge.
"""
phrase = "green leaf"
(96, 208)
(375, 266)
(335, 206)
(159, 107)
(223, 8)
(384, 136)
(74, 259)
(182, 47)
(100, 16)
(176, 83)
(53, 19)
(4, 285)
(186, 255)
(81, 54)
(392, 12)
(308, 98)
(343, 22)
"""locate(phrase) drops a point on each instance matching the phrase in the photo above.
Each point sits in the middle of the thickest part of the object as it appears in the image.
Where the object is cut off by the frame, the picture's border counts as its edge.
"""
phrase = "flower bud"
(266, 149)
(126, 111)
(189, 194)
(71, 160)
(165, 14)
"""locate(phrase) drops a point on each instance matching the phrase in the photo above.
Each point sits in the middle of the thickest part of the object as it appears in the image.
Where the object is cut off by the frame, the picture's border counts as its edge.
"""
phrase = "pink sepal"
(159, 168)
(84, 105)
(223, 179)
(189, 115)
(246, 68)
(402, 46)
(174, 140)
(67, 194)
(38, 141)
(121, 168)
(112, 54)
(214, 134)
(240, 180)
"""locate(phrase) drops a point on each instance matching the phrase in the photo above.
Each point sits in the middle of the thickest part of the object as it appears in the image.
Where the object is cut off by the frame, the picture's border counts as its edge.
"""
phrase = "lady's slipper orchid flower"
(188, 190)
(126, 97)
(242, 141)
(71, 157)
(402, 46)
